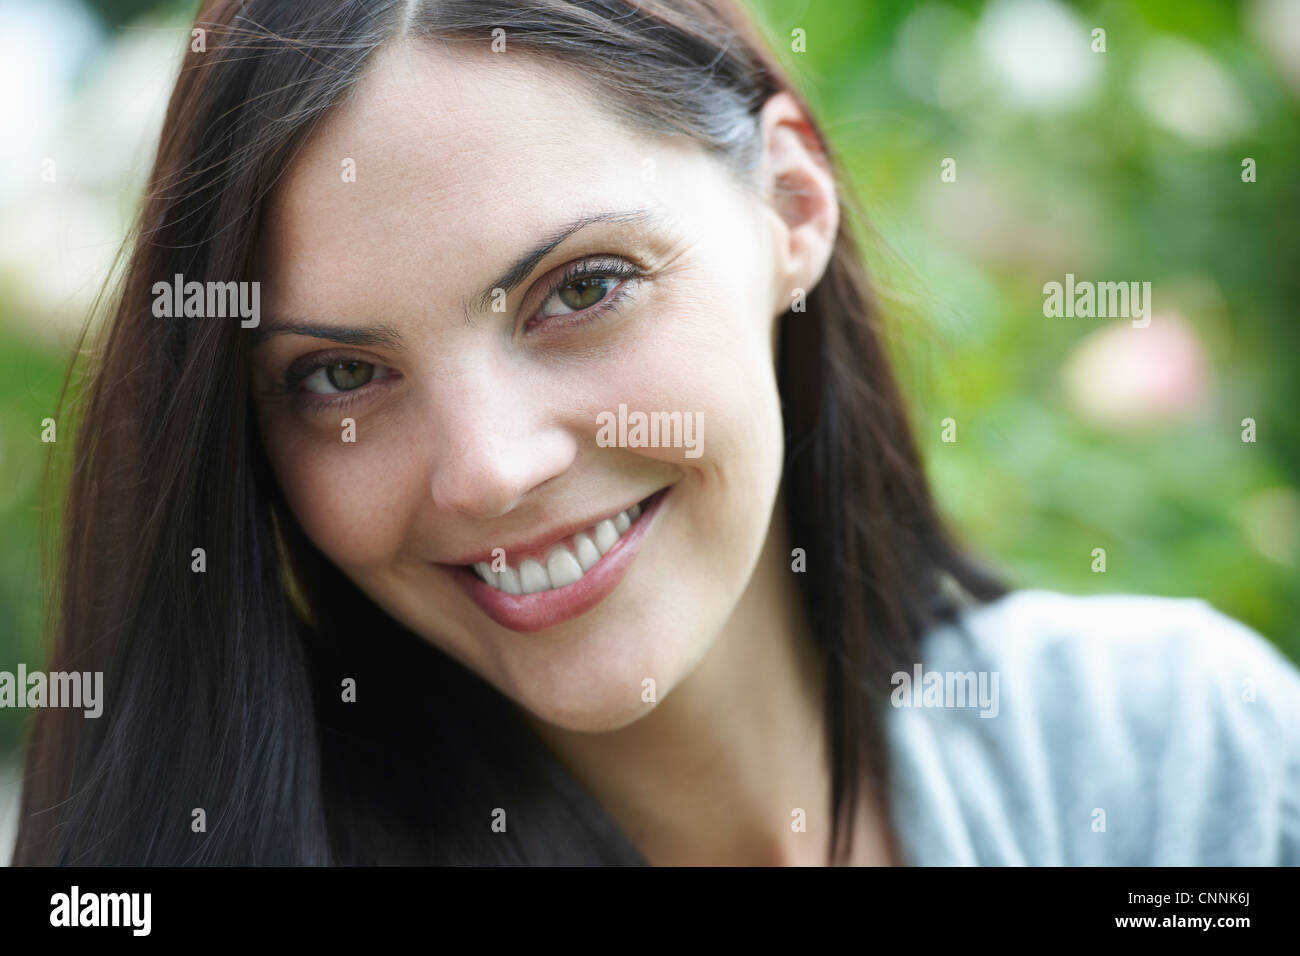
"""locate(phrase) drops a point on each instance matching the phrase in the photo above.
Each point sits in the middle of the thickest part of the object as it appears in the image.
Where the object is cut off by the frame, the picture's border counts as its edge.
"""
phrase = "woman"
(554, 501)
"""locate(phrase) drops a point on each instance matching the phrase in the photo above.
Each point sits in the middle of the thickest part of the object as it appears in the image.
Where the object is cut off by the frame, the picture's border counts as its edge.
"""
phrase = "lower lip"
(535, 612)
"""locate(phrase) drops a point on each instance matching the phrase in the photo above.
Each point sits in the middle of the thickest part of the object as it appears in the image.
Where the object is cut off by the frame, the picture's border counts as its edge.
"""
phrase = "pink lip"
(534, 612)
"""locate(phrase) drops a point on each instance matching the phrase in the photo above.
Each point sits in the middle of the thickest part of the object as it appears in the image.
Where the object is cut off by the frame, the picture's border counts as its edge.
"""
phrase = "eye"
(577, 295)
(344, 376)
(590, 287)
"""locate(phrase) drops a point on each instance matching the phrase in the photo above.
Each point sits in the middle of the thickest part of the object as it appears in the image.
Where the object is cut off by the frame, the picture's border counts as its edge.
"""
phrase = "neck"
(715, 772)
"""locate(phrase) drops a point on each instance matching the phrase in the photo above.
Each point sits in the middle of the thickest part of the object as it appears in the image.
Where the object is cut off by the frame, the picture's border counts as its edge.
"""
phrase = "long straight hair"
(224, 739)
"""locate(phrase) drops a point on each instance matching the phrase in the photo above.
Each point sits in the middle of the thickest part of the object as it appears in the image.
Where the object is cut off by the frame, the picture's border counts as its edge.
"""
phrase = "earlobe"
(800, 188)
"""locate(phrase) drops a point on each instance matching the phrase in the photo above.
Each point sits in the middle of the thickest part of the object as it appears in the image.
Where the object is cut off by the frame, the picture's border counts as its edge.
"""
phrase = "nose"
(494, 450)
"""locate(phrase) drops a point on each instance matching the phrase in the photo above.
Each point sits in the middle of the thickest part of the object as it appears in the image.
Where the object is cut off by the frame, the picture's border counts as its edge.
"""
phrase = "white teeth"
(563, 568)
(507, 580)
(533, 577)
(564, 565)
(588, 553)
(606, 535)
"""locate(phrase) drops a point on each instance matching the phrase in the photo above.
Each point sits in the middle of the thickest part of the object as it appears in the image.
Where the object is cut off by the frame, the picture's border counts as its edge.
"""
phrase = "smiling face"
(477, 387)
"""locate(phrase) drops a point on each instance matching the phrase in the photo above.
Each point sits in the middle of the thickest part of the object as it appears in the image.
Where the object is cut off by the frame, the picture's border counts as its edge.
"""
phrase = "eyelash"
(607, 268)
(318, 402)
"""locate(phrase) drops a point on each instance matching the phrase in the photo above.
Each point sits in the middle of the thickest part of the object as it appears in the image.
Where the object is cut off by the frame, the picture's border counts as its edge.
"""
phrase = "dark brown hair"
(223, 693)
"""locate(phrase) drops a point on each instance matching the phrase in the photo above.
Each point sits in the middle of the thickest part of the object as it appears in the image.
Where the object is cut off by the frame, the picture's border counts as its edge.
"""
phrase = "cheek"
(354, 500)
(704, 347)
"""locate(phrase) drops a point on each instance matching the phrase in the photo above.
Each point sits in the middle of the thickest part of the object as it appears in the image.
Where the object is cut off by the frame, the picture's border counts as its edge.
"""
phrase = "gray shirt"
(1106, 730)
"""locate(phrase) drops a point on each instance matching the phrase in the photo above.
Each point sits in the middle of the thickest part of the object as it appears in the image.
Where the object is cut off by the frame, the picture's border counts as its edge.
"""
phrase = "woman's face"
(425, 401)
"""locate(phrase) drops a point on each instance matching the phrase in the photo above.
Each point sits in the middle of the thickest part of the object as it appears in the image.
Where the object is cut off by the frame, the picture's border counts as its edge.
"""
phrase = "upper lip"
(540, 543)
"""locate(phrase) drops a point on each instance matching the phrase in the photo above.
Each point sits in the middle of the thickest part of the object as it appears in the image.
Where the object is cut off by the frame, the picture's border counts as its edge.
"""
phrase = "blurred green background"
(1071, 433)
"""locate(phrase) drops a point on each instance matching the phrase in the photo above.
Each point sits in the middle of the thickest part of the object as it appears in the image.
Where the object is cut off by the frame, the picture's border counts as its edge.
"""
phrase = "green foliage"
(1109, 188)
(31, 375)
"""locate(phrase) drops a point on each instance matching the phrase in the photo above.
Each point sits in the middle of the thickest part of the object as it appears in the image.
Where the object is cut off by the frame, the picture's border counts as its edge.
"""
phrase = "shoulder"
(1155, 649)
(1116, 729)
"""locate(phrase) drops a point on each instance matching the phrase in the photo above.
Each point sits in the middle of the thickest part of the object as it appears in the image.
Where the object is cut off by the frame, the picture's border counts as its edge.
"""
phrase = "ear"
(796, 180)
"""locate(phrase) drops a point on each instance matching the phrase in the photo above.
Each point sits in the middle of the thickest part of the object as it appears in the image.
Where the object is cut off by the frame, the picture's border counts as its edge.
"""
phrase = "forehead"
(461, 158)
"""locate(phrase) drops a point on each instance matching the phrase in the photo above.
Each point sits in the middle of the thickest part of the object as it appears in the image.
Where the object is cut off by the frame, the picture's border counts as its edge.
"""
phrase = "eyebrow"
(381, 335)
(389, 337)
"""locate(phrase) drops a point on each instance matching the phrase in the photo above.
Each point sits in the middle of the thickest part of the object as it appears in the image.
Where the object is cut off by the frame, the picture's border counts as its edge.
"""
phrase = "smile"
(542, 587)
(566, 562)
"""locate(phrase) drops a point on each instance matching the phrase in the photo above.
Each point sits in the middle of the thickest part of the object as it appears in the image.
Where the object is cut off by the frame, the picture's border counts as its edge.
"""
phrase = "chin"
(600, 684)
(591, 717)
(610, 707)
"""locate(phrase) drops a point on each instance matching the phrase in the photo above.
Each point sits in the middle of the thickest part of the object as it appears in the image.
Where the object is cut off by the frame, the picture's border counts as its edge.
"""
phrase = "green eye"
(349, 375)
(583, 293)
(339, 377)
(587, 291)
